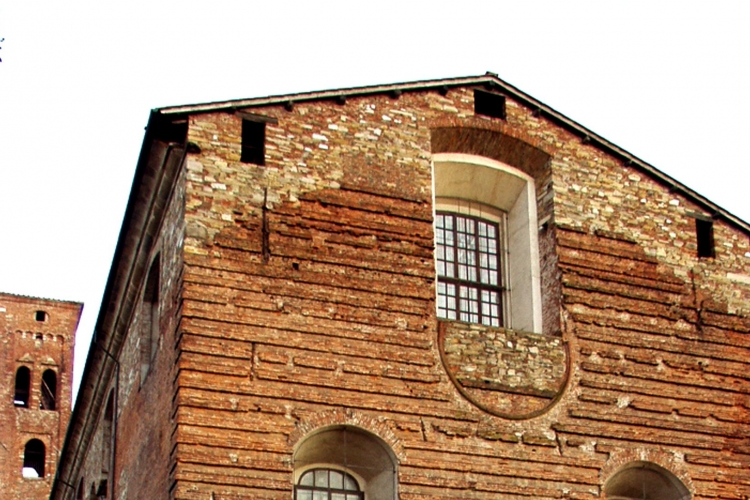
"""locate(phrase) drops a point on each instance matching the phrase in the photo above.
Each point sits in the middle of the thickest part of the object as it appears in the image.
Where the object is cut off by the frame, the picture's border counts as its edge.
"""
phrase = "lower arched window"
(344, 462)
(34, 456)
(327, 484)
(644, 481)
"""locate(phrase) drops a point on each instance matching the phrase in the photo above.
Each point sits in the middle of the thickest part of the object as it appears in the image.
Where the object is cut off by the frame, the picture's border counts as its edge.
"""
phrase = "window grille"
(469, 269)
(327, 484)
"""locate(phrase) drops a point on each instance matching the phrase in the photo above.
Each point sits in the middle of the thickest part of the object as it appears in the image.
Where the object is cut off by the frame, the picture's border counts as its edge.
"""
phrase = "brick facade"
(297, 310)
(38, 335)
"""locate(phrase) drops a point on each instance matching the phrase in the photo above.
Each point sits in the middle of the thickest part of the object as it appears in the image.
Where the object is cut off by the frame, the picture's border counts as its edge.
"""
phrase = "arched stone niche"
(356, 451)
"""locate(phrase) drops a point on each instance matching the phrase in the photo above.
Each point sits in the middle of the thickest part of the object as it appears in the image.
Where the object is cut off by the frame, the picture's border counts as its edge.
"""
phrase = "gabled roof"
(492, 82)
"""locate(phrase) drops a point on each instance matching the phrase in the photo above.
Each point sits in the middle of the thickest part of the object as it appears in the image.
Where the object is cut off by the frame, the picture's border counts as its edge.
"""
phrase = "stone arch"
(493, 140)
(346, 417)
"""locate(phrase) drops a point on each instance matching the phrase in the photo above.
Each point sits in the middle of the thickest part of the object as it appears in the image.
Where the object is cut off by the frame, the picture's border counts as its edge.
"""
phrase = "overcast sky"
(667, 81)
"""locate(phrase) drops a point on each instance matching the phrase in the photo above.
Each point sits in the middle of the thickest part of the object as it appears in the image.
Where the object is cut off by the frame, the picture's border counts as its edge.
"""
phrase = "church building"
(431, 290)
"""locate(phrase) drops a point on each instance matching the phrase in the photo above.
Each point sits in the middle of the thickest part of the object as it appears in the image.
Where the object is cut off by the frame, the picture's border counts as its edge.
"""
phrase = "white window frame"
(465, 178)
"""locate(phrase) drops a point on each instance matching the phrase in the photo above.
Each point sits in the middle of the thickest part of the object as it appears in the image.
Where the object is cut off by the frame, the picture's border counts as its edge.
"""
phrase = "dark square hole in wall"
(253, 142)
(704, 230)
(489, 104)
(40, 316)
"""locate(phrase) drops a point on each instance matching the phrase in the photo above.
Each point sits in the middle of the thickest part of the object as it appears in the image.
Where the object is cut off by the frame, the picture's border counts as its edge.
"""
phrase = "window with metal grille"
(468, 267)
(327, 484)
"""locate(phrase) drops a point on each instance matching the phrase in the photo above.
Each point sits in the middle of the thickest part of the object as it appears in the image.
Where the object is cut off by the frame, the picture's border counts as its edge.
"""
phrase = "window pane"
(337, 480)
(307, 479)
(441, 268)
(320, 495)
(321, 477)
(304, 495)
(350, 484)
(338, 496)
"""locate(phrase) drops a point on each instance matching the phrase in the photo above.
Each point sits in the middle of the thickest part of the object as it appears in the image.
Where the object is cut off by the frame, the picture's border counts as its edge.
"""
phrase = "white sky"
(666, 80)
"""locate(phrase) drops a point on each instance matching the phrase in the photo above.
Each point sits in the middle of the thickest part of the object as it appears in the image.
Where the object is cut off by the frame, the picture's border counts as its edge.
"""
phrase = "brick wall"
(341, 314)
(39, 346)
(303, 297)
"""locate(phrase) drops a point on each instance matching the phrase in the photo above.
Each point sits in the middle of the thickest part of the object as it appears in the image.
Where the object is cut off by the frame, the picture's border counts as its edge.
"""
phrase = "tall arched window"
(49, 390)
(23, 382)
(34, 455)
(344, 462)
(327, 484)
(149, 339)
(486, 243)
(644, 481)
(107, 433)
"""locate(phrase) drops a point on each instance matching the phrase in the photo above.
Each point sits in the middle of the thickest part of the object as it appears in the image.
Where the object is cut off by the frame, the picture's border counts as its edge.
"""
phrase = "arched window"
(327, 484)
(149, 339)
(33, 459)
(644, 481)
(107, 433)
(343, 457)
(23, 381)
(486, 222)
(49, 390)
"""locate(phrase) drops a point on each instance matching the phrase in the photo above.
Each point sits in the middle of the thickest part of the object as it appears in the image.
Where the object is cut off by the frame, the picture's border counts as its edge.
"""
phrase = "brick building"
(441, 289)
(36, 366)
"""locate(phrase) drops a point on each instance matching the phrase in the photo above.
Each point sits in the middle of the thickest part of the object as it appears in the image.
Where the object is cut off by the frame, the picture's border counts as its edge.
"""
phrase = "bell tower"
(36, 366)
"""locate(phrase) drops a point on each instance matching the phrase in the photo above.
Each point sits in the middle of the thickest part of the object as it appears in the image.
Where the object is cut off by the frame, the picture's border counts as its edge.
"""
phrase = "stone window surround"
(472, 178)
